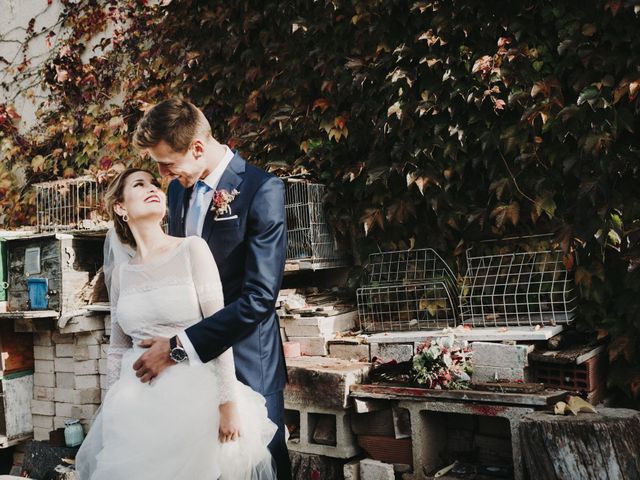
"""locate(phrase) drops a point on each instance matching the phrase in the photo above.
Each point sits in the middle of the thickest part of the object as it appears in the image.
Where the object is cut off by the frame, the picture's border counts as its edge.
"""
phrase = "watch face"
(178, 355)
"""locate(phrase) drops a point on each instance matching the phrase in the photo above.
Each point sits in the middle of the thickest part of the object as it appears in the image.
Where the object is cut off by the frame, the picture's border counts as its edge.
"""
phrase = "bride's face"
(143, 198)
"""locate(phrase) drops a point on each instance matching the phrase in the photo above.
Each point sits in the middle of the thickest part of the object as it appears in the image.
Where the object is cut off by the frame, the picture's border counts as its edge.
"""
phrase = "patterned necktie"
(195, 211)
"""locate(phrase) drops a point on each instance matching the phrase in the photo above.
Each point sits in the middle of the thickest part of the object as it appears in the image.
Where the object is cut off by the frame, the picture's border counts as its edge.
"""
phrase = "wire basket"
(73, 204)
(517, 289)
(310, 240)
(407, 290)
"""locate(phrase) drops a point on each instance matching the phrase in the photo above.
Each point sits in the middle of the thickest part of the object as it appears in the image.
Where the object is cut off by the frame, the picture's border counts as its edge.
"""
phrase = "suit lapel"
(230, 180)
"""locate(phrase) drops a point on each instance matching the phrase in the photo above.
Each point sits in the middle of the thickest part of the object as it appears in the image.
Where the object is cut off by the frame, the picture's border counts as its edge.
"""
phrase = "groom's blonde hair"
(175, 121)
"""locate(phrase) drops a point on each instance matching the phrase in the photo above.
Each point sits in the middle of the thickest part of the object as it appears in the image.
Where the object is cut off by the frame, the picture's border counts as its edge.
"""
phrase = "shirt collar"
(214, 177)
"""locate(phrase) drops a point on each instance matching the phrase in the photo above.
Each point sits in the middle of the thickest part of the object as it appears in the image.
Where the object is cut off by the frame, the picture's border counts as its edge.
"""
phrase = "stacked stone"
(70, 368)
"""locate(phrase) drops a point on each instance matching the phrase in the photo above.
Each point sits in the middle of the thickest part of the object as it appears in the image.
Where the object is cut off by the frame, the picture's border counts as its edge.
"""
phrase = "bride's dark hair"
(115, 194)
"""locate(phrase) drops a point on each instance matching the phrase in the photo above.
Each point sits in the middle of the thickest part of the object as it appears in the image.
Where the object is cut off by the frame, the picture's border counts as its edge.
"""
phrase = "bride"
(192, 422)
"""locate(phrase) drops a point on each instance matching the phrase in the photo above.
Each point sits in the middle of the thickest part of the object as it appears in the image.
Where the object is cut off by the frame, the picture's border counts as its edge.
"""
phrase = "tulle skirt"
(168, 430)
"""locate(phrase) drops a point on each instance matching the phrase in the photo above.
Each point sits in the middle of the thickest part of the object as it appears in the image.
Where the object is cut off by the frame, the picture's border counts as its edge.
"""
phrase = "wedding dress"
(168, 429)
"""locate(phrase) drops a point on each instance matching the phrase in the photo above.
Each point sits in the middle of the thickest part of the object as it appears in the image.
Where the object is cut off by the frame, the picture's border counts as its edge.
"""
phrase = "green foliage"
(432, 123)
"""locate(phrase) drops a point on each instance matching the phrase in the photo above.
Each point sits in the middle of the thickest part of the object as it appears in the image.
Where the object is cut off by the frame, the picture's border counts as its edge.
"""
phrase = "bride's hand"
(229, 422)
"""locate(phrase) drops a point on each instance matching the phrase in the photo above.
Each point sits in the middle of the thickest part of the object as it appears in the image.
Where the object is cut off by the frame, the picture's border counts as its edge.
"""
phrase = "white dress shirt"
(212, 180)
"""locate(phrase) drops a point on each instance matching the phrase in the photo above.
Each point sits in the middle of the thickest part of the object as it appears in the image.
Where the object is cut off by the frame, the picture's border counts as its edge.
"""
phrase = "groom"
(238, 210)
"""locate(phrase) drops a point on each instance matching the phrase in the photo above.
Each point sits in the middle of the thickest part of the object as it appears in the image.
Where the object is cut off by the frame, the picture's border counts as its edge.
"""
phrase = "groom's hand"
(152, 362)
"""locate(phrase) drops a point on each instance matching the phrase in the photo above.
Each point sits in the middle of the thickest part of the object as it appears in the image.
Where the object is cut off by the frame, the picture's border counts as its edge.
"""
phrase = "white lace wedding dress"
(168, 429)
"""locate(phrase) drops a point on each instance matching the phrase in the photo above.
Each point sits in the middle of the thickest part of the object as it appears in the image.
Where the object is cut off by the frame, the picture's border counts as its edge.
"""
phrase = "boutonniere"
(222, 200)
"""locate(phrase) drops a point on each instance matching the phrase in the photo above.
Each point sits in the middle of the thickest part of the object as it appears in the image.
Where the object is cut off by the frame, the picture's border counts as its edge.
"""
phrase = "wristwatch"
(177, 353)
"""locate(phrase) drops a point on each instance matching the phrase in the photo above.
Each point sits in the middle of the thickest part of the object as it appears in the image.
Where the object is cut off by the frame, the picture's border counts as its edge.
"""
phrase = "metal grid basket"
(310, 241)
(407, 290)
(72, 204)
(517, 289)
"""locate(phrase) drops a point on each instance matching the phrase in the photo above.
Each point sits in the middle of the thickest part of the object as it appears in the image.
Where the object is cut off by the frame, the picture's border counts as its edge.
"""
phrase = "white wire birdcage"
(310, 240)
(72, 204)
(407, 290)
(517, 289)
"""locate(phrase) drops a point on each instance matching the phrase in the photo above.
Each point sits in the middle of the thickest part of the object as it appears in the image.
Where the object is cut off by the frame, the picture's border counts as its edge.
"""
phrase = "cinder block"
(375, 470)
(43, 366)
(65, 395)
(65, 365)
(42, 421)
(84, 411)
(42, 339)
(64, 409)
(351, 470)
(65, 380)
(65, 350)
(44, 379)
(86, 367)
(41, 434)
(319, 326)
(400, 352)
(312, 346)
(83, 323)
(42, 407)
(349, 351)
(86, 352)
(500, 355)
(43, 352)
(58, 337)
(87, 381)
(483, 374)
(44, 393)
(90, 338)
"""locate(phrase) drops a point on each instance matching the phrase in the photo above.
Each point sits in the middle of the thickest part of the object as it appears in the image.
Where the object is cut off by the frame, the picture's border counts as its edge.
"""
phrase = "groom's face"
(187, 167)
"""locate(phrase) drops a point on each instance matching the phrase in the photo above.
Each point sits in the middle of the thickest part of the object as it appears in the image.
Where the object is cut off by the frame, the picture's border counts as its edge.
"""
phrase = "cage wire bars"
(407, 290)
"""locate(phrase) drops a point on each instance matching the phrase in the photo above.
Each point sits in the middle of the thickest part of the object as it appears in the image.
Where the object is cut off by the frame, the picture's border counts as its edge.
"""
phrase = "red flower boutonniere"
(222, 200)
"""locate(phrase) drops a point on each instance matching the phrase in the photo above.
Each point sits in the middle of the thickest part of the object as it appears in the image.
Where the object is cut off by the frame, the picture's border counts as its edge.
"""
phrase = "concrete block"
(400, 352)
(90, 338)
(349, 351)
(500, 355)
(65, 380)
(87, 381)
(41, 434)
(322, 382)
(86, 367)
(65, 395)
(65, 365)
(64, 410)
(43, 352)
(44, 393)
(482, 374)
(83, 324)
(42, 407)
(351, 470)
(316, 326)
(43, 366)
(43, 421)
(42, 339)
(312, 346)
(44, 379)
(375, 470)
(84, 411)
(58, 337)
(86, 352)
(65, 350)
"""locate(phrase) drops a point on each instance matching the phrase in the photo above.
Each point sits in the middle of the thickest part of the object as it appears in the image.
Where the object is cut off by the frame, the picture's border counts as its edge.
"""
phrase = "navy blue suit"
(250, 253)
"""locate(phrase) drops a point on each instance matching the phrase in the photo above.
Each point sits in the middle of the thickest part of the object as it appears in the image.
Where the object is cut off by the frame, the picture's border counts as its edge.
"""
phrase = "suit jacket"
(250, 253)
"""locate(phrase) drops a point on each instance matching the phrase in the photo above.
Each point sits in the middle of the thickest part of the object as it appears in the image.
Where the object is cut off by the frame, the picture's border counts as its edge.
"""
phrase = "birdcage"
(311, 243)
(72, 204)
(407, 290)
(517, 289)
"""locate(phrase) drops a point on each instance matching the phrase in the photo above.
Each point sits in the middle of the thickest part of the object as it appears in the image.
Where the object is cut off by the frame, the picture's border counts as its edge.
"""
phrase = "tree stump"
(587, 446)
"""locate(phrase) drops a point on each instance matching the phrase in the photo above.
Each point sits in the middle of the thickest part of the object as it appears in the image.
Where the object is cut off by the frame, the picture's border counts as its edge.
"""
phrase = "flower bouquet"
(443, 363)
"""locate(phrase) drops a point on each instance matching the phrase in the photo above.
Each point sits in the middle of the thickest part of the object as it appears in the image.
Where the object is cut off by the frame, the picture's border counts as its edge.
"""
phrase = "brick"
(58, 337)
(375, 470)
(40, 434)
(312, 346)
(59, 422)
(42, 407)
(401, 352)
(500, 355)
(43, 366)
(65, 380)
(64, 409)
(319, 326)
(375, 423)
(42, 339)
(43, 421)
(88, 396)
(349, 351)
(102, 366)
(44, 379)
(65, 395)
(65, 350)
(43, 393)
(43, 353)
(103, 382)
(83, 324)
(104, 350)
(86, 352)
(87, 381)
(84, 411)
(64, 365)
(86, 367)
(90, 338)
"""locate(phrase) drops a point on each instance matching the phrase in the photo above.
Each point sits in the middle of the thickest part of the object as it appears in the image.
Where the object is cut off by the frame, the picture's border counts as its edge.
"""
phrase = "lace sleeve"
(119, 342)
(209, 288)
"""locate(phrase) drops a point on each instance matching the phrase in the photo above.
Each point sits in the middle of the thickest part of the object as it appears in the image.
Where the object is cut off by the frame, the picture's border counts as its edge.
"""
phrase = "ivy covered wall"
(433, 123)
